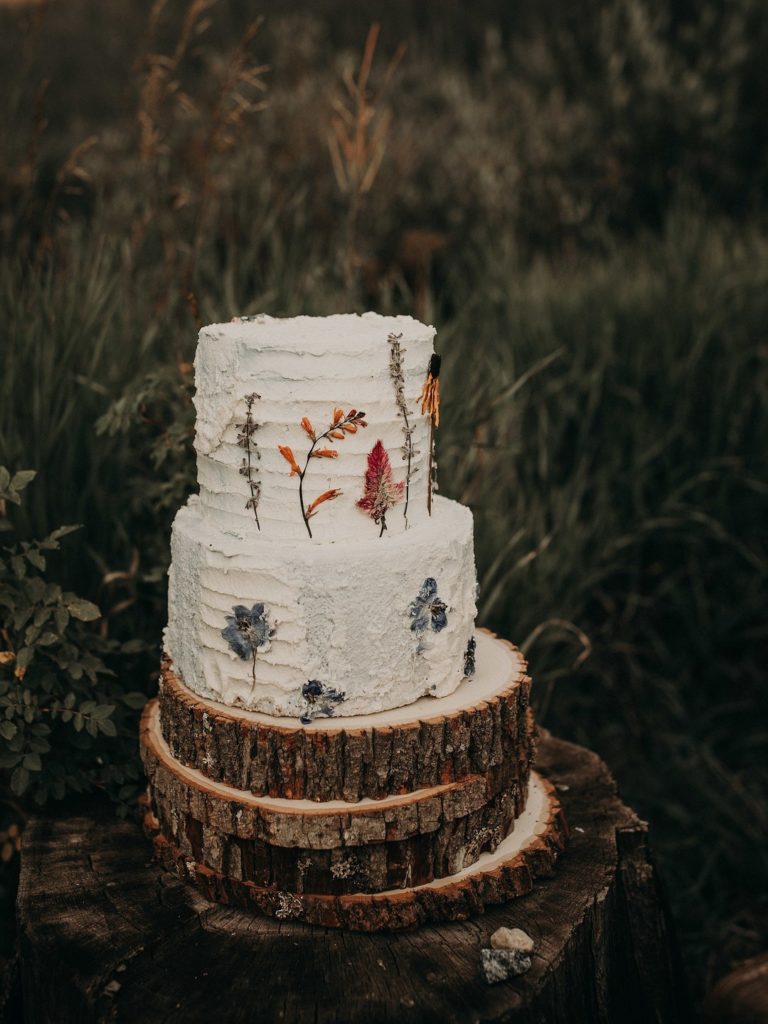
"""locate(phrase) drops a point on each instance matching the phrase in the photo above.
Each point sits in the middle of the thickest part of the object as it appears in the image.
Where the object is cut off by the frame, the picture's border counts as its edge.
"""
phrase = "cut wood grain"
(107, 934)
(334, 847)
(335, 759)
(510, 871)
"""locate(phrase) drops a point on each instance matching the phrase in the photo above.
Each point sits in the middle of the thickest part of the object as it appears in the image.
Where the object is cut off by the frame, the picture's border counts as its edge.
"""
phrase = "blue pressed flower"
(428, 610)
(248, 633)
(319, 699)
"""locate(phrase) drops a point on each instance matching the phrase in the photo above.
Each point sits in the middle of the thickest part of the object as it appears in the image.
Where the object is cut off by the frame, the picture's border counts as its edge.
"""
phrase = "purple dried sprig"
(397, 373)
(245, 440)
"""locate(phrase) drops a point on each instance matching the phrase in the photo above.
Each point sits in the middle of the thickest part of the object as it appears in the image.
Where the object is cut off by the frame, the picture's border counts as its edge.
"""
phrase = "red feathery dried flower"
(381, 492)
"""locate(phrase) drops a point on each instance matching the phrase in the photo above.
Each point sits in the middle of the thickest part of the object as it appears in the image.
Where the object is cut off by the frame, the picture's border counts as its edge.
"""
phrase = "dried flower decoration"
(397, 373)
(341, 425)
(428, 611)
(247, 469)
(469, 657)
(287, 906)
(430, 391)
(381, 492)
(248, 633)
(319, 700)
(430, 403)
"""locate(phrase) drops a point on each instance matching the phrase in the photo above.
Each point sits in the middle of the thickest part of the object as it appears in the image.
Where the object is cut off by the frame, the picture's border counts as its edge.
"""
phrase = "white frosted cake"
(314, 574)
(331, 743)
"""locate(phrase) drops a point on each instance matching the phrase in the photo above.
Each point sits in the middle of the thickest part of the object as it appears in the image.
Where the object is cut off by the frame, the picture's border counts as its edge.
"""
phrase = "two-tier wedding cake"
(333, 741)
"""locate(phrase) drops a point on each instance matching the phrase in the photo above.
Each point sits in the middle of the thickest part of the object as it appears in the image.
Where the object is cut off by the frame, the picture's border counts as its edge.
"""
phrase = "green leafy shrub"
(66, 720)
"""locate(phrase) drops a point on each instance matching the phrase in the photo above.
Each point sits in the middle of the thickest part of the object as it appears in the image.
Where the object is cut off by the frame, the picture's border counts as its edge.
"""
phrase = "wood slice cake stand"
(106, 934)
(445, 815)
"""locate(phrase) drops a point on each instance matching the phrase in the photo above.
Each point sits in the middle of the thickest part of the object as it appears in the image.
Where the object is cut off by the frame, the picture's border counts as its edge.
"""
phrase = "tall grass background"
(575, 196)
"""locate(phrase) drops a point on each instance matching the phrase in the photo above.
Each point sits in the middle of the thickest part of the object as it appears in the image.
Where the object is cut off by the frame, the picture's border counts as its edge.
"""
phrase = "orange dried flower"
(338, 414)
(308, 428)
(289, 457)
(430, 391)
(325, 496)
(351, 428)
(338, 434)
(325, 453)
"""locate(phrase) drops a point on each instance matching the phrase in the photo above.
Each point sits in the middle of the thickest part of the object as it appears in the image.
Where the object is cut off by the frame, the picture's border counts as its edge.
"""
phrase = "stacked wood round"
(375, 822)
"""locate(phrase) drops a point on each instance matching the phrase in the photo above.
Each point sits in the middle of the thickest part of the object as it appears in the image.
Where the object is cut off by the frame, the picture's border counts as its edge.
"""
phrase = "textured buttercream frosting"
(353, 619)
(307, 367)
(350, 616)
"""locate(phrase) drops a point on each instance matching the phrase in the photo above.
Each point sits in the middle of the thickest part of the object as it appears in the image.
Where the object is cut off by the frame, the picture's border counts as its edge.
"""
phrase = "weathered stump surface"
(106, 934)
(340, 761)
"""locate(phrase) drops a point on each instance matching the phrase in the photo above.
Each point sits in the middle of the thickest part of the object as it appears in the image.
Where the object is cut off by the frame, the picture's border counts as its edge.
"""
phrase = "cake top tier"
(313, 426)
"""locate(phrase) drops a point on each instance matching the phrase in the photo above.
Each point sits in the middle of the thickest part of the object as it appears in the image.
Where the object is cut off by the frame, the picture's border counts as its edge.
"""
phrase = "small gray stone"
(503, 964)
(512, 938)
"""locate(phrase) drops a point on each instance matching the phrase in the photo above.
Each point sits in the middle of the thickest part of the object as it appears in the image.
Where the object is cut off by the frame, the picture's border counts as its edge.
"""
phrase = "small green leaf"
(42, 615)
(85, 611)
(134, 700)
(24, 657)
(22, 478)
(107, 726)
(16, 744)
(61, 617)
(19, 780)
(103, 711)
(36, 559)
(8, 730)
(78, 721)
(32, 763)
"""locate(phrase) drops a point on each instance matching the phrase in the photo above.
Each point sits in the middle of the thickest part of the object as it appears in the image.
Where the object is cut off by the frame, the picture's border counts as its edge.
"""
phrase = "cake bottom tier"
(525, 855)
(372, 624)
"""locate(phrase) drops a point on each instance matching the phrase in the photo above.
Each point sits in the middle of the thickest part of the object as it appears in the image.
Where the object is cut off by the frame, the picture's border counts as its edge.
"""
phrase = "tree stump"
(106, 934)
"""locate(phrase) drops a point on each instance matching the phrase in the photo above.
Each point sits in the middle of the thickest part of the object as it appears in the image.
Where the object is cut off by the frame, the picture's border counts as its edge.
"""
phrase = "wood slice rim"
(483, 725)
(529, 853)
(397, 863)
(307, 824)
